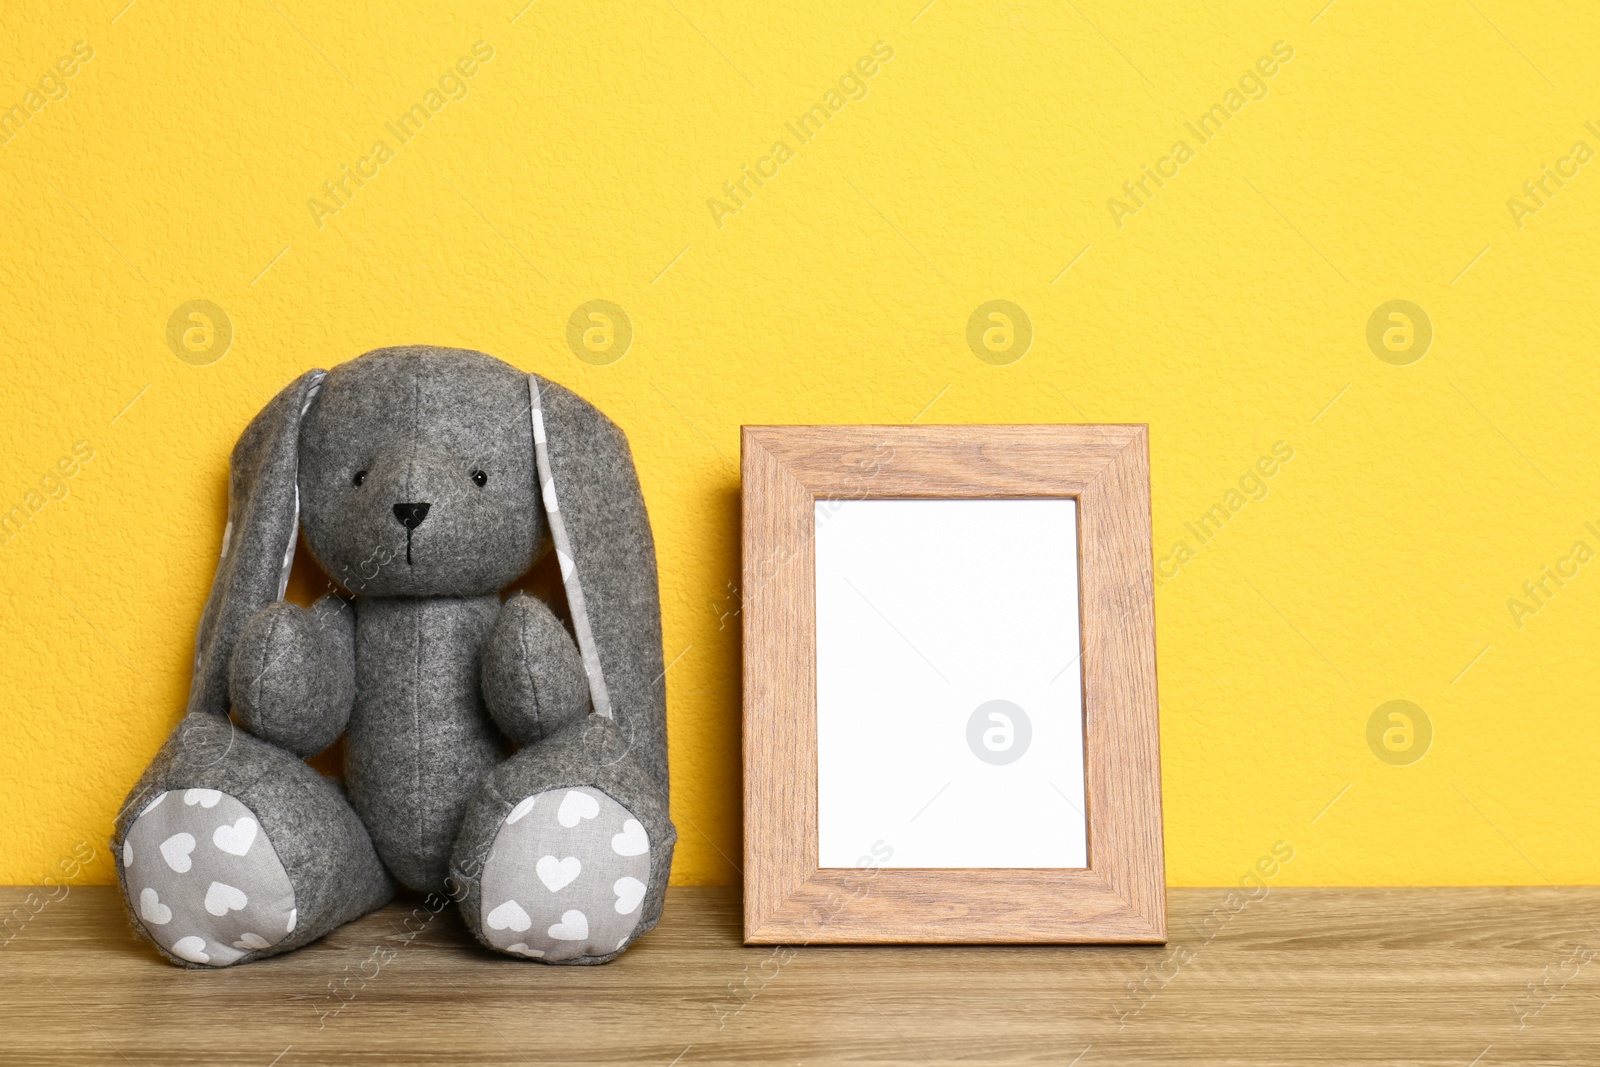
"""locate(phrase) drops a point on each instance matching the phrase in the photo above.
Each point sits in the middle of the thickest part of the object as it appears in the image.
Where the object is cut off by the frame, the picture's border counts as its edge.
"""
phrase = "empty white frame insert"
(949, 684)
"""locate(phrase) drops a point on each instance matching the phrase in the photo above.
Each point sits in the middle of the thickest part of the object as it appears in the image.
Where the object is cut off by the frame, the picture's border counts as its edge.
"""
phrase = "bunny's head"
(417, 475)
(424, 471)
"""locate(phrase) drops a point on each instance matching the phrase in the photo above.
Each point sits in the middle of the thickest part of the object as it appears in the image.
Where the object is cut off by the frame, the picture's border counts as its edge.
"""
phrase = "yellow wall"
(1230, 312)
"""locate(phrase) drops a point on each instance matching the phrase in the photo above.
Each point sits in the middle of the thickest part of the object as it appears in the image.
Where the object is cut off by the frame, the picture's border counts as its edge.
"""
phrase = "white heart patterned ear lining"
(598, 695)
(294, 517)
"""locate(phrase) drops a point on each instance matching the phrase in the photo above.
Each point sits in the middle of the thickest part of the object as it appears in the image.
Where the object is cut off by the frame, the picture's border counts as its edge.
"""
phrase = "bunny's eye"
(360, 477)
(480, 478)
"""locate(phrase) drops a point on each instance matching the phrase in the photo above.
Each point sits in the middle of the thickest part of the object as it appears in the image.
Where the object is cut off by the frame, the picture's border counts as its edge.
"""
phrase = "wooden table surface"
(1303, 976)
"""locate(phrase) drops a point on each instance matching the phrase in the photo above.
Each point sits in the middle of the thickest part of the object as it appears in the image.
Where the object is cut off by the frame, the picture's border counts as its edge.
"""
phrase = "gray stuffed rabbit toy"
(426, 480)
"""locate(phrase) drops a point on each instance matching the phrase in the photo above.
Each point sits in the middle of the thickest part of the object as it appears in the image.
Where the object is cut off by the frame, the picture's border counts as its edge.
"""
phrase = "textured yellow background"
(1229, 312)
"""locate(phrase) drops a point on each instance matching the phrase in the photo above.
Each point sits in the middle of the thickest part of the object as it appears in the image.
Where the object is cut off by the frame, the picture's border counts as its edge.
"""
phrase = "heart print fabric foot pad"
(565, 877)
(205, 882)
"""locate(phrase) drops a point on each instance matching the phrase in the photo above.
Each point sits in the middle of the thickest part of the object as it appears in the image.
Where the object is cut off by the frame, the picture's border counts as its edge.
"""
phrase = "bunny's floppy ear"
(608, 564)
(258, 542)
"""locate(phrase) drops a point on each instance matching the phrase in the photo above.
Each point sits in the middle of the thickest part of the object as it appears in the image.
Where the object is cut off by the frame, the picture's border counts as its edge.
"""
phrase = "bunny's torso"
(420, 738)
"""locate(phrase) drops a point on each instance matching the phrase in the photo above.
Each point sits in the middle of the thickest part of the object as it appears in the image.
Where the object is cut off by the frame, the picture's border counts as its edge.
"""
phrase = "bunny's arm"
(293, 676)
(533, 680)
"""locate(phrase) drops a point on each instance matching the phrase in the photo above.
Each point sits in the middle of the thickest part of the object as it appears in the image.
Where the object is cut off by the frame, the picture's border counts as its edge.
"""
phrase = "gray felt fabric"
(566, 557)
(419, 422)
(413, 472)
(532, 674)
(565, 876)
(208, 882)
(615, 557)
(420, 739)
(293, 677)
(262, 509)
(324, 849)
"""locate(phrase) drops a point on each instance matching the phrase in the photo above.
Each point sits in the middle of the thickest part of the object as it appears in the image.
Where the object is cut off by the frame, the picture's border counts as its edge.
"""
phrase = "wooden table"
(1309, 976)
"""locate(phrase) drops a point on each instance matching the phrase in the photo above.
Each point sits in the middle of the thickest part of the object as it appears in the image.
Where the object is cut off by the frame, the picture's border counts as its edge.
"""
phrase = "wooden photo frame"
(795, 479)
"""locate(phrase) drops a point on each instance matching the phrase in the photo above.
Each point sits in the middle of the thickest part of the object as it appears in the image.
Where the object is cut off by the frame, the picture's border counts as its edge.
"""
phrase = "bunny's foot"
(203, 880)
(231, 849)
(566, 850)
(565, 877)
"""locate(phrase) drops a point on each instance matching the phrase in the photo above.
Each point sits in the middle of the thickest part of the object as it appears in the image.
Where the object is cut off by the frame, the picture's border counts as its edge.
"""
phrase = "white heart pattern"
(557, 874)
(191, 948)
(633, 841)
(524, 806)
(236, 839)
(629, 891)
(575, 807)
(294, 913)
(175, 850)
(592, 858)
(222, 898)
(249, 941)
(574, 925)
(127, 855)
(151, 910)
(206, 798)
(509, 916)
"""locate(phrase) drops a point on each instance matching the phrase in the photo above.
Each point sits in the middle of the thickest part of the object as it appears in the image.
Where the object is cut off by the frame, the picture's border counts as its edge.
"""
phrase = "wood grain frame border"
(788, 898)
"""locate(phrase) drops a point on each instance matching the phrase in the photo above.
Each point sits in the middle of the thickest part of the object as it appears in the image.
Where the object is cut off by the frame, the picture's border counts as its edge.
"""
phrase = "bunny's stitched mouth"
(410, 515)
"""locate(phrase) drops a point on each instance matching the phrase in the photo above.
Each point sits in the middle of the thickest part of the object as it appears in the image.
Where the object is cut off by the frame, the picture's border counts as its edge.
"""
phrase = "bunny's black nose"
(411, 515)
